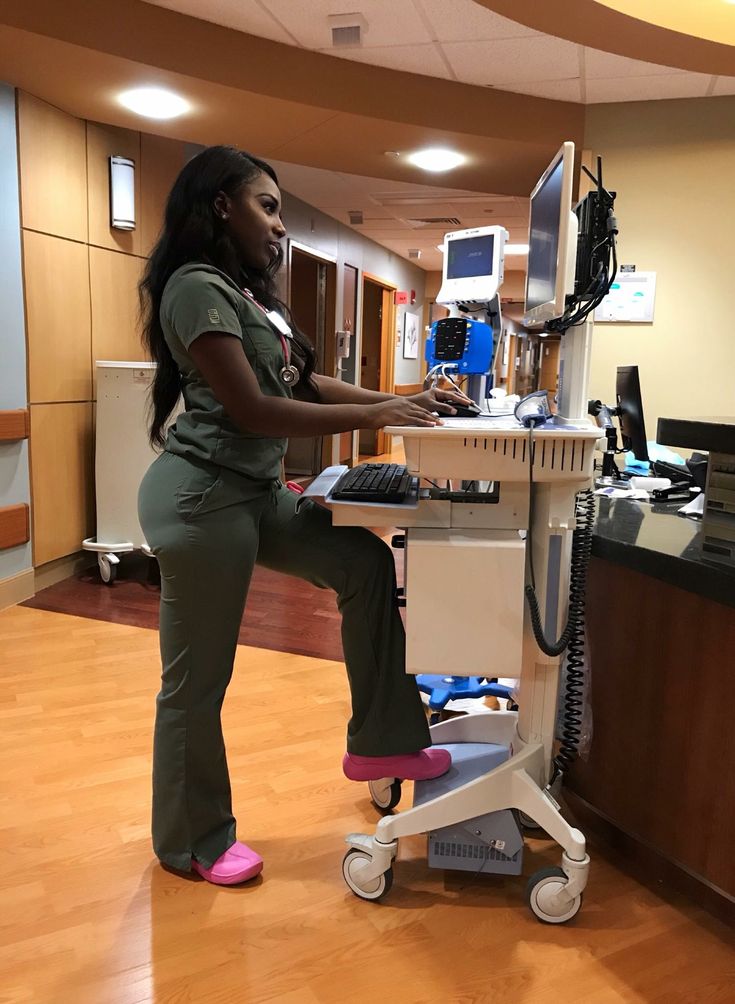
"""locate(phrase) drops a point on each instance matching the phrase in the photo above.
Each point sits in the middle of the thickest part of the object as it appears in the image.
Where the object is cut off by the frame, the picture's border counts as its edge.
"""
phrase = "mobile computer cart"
(502, 762)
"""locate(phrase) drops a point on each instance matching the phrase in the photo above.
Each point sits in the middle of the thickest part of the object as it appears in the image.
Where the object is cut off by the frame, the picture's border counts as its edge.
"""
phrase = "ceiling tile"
(466, 21)
(678, 85)
(243, 15)
(419, 58)
(516, 60)
(724, 85)
(608, 65)
(387, 22)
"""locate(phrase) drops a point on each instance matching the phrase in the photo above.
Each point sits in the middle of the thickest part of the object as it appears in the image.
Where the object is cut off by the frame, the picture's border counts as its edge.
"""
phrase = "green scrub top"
(196, 299)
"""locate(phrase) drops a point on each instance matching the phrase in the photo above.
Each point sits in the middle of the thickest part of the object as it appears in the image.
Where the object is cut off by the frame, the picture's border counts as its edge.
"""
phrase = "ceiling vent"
(414, 253)
(347, 29)
(355, 216)
(427, 221)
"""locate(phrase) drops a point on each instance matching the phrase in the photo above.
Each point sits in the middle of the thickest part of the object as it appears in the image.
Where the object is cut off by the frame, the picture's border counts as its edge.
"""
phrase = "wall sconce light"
(122, 193)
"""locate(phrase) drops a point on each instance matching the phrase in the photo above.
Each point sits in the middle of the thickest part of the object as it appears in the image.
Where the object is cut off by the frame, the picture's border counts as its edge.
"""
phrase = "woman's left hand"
(440, 400)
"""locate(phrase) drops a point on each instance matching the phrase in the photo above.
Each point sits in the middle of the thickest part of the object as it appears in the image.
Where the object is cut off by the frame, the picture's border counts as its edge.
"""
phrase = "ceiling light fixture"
(154, 102)
(516, 248)
(436, 159)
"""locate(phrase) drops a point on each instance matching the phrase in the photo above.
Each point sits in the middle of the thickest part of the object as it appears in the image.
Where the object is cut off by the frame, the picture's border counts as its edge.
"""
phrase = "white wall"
(672, 164)
(14, 479)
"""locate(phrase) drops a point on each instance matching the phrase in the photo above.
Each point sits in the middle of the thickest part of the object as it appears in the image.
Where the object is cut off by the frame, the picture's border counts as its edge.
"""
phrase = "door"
(377, 356)
(312, 287)
(549, 368)
(347, 364)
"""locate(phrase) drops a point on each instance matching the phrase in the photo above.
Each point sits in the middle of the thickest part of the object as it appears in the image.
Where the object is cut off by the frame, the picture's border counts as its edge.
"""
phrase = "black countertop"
(658, 542)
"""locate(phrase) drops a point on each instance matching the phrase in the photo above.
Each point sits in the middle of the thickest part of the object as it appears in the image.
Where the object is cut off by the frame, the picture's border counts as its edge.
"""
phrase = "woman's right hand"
(398, 411)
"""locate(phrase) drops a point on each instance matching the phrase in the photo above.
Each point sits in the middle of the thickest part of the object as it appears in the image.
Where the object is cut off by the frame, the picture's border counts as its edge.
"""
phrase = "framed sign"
(410, 336)
(631, 298)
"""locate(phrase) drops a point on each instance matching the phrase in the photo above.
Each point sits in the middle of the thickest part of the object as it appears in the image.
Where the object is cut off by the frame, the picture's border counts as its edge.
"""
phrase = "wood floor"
(88, 916)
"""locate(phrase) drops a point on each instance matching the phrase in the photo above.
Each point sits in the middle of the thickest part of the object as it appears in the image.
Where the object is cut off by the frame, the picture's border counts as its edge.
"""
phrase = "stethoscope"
(289, 374)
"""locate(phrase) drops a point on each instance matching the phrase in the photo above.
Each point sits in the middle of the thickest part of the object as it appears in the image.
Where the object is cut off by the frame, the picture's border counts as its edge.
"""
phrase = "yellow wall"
(80, 277)
(673, 166)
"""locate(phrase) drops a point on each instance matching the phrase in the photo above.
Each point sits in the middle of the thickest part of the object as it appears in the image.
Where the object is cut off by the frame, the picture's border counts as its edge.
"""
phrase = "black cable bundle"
(572, 637)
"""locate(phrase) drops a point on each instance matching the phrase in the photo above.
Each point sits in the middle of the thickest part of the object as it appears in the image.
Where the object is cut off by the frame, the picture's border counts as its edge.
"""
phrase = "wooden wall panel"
(53, 169)
(57, 319)
(161, 159)
(102, 143)
(115, 328)
(62, 478)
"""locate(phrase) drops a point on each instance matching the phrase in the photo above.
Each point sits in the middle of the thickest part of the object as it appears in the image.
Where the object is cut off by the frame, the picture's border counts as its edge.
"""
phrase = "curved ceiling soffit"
(165, 39)
(598, 26)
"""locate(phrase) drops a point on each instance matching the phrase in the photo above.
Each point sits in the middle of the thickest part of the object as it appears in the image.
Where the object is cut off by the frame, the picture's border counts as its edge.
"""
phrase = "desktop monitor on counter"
(632, 426)
(552, 241)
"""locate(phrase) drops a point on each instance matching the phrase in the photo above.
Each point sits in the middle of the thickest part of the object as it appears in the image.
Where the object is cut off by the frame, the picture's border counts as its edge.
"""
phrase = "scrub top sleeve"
(197, 304)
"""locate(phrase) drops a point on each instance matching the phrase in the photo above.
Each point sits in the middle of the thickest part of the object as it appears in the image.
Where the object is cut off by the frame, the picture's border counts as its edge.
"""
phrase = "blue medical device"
(460, 342)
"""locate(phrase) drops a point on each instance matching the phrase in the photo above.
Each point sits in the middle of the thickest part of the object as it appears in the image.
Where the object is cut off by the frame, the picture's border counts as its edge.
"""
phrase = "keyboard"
(374, 483)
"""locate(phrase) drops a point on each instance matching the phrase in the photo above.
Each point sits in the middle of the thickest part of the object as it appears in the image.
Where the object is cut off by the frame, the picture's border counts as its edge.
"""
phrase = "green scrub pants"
(207, 526)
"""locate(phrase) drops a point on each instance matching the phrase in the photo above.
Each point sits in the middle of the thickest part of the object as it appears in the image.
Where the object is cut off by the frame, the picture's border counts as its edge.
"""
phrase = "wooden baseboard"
(62, 568)
(647, 865)
(17, 588)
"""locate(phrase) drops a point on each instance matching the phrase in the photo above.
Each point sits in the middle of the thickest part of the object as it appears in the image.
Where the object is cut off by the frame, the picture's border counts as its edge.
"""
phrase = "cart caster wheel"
(385, 793)
(542, 894)
(354, 862)
(528, 824)
(108, 567)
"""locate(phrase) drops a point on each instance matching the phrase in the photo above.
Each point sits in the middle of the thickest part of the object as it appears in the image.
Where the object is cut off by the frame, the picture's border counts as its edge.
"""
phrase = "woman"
(212, 504)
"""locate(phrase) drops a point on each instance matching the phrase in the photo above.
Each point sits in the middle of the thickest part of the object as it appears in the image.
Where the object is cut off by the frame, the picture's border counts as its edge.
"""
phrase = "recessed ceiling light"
(521, 248)
(154, 102)
(436, 160)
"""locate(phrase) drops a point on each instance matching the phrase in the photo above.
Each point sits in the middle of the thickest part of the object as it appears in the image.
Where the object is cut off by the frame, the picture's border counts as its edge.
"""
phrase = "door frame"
(328, 363)
(383, 442)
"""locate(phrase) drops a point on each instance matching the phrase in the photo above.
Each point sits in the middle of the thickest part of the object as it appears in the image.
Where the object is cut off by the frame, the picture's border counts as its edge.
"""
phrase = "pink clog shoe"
(421, 766)
(238, 864)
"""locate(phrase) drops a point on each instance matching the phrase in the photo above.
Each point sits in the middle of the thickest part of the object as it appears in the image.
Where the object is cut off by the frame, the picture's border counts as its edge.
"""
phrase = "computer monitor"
(632, 426)
(552, 241)
(473, 265)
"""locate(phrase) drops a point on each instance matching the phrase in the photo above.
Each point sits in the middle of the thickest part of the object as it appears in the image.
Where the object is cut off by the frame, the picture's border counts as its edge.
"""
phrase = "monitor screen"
(632, 426)
(470, 256)
(544, 240)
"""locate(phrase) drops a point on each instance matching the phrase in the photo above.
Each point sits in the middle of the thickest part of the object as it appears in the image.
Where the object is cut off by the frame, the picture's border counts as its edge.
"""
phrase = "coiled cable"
(573, 703)
(573, 635)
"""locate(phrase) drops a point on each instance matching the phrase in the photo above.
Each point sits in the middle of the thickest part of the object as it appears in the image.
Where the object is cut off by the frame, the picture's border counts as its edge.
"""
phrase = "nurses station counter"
(659, 781)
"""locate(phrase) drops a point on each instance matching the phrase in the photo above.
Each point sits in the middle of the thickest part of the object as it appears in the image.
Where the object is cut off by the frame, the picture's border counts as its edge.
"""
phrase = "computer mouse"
(464, 410)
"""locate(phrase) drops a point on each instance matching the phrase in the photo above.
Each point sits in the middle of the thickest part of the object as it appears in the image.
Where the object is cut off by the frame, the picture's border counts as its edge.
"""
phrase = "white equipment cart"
(122, 456)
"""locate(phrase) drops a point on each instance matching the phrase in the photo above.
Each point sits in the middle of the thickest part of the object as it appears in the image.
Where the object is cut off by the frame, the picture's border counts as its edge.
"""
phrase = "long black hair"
(193, 232)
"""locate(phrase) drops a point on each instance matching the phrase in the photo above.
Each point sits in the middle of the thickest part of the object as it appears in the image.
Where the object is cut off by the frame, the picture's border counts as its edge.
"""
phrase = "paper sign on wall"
(631, 298)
